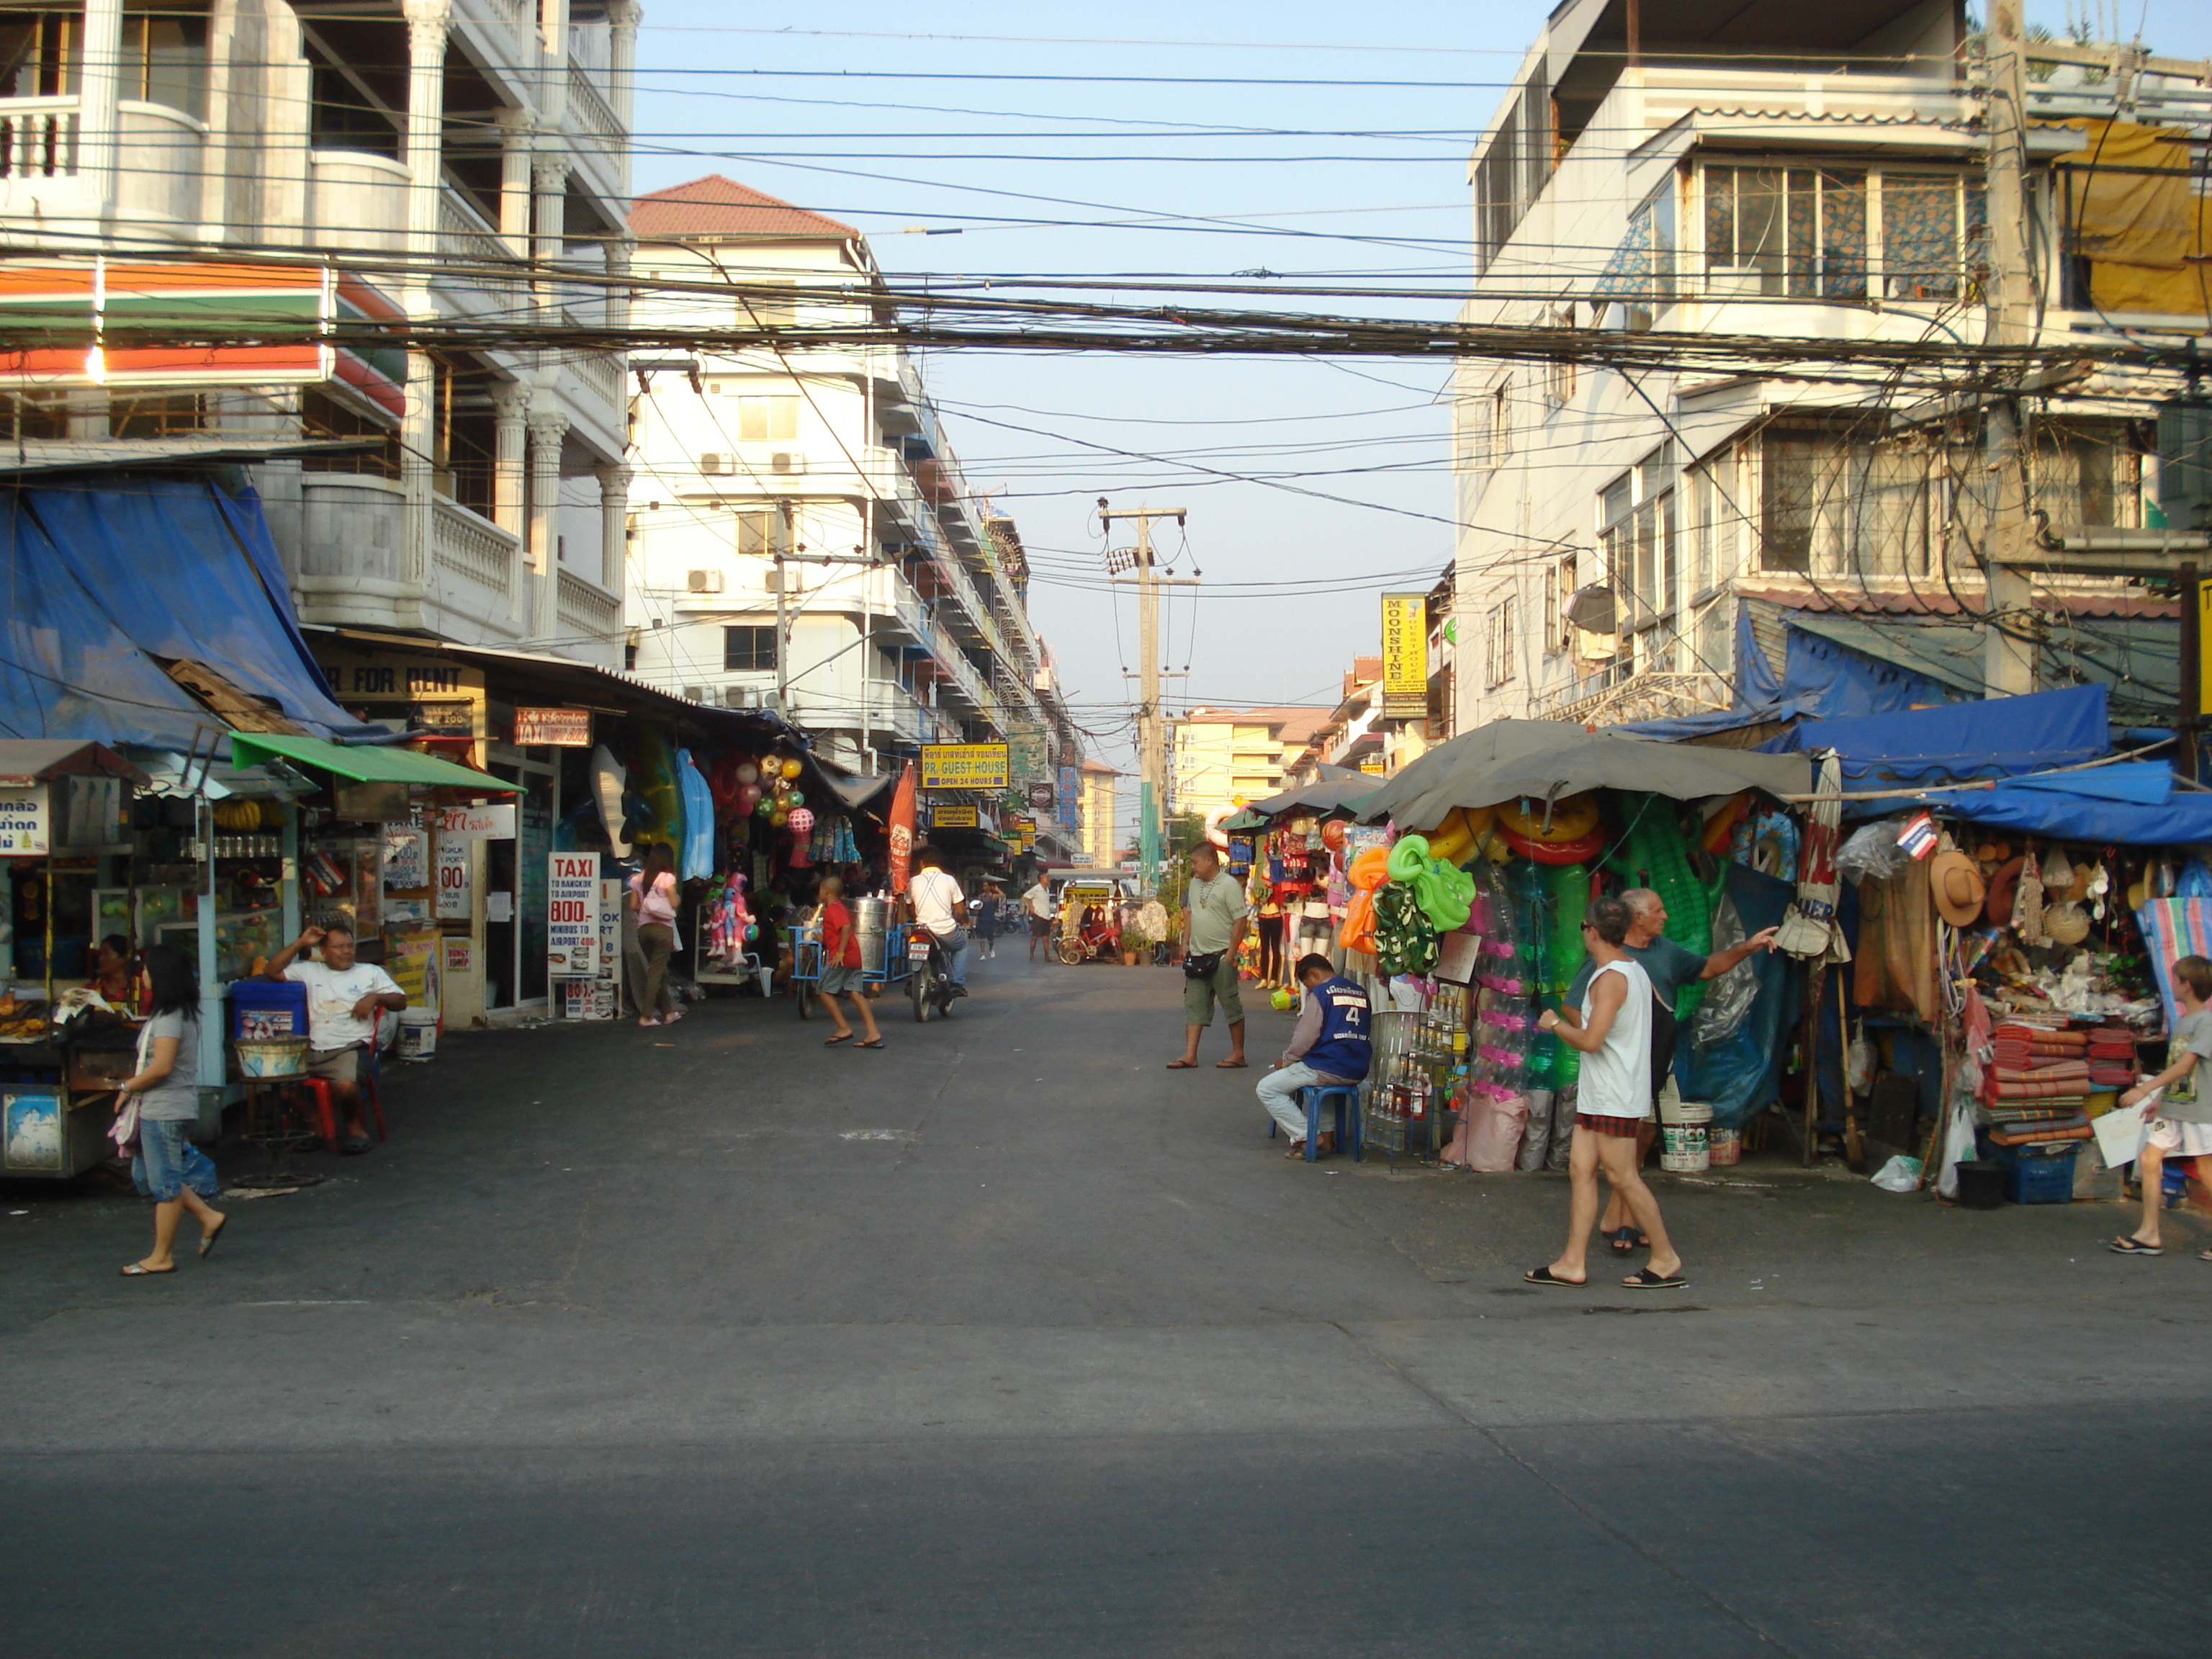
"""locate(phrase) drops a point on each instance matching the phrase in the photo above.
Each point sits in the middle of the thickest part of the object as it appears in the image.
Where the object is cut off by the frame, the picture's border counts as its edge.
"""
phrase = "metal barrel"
(871, 917)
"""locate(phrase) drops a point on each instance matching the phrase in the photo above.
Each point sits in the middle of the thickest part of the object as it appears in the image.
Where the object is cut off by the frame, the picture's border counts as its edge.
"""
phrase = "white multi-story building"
(807, 491)
(1774, 172)
(404, 162)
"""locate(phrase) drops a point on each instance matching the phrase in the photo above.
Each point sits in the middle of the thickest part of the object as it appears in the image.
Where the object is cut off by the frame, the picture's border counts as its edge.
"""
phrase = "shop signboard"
(1025, 836)
(557, 728)
(1028, 752)
(965, 765)
(25, 821)
(2203, 647)
(572, 915)
(453, 880)
(952, 818)
(1375, 768)
(1071, 799)
(1042, 797)
(472, 823)
(1405, 656)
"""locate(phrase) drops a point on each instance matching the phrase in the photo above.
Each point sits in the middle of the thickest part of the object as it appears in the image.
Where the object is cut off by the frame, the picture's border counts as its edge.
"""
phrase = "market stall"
(1468, 879)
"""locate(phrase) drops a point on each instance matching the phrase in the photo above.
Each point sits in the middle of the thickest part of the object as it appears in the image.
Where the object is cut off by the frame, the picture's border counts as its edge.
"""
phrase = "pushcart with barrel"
(883, 954)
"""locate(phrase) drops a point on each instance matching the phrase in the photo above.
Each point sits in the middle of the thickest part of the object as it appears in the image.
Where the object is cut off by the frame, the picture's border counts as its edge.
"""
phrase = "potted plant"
(1134, 946)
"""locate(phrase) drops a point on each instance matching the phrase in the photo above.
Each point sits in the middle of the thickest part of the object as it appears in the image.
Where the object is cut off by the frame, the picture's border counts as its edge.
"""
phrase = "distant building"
(1098, 805)
(1220, 756)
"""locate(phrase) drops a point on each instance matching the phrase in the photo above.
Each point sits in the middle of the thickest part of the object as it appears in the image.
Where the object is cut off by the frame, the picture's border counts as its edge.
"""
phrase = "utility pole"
(2009, 648)
(1151, 756)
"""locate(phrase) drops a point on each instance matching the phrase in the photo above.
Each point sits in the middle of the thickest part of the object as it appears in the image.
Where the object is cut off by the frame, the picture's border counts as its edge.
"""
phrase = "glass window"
(756, 532)
(1800, 232)
(748, 650)
(165, 54)
(162, 415)
(767, 420)
(41, 52)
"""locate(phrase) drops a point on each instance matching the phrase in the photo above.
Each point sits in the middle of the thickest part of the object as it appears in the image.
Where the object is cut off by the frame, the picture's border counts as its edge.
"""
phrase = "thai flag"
(1919, 835)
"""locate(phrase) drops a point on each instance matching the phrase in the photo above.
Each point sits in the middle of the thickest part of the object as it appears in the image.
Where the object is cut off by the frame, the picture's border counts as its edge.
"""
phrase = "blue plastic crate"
(2040, 1173)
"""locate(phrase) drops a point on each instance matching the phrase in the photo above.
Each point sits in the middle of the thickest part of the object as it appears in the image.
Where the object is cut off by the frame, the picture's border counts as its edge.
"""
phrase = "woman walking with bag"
(164, 1093)
(653, 895)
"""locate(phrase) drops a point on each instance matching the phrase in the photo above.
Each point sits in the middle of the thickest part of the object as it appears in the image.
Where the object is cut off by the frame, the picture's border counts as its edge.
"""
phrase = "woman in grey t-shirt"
(168, 1169)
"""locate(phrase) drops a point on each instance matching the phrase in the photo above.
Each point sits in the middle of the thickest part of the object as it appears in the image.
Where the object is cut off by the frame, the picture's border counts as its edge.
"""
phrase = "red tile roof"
(1936, 601)
(716, 206)
(1092, 764)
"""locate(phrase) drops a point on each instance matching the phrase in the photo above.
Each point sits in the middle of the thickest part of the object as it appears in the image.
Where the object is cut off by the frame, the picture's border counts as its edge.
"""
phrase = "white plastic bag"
(1900, 1175)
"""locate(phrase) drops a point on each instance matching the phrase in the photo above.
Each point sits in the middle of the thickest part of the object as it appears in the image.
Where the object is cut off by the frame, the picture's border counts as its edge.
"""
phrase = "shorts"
(337, 1065)
(168, 1163)
(1040, 926)
(1621, 1128)
(840, 982)
(1198, 996)
(2181, 1139)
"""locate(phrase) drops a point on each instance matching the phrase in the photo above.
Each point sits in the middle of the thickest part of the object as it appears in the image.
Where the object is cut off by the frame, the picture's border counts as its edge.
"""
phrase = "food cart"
(884, 958)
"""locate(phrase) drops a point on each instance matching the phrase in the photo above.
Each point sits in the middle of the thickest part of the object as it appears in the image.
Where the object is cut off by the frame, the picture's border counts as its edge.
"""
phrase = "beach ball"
(791, 769)
(801, 820)
(1332, 835)
(764, 807)
(749, 796)
(1284, 1001)
(747, 772)
(793, 798)
(778, 817)
(752, 934)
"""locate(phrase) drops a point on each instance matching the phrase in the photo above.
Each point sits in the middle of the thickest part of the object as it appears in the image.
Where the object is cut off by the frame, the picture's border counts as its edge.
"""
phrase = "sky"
(1148, 140)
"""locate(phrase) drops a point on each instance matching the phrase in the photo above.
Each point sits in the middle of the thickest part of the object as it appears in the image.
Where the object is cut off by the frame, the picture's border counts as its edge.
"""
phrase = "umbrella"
(1810, 928)
(1547, 760)
(903, 829)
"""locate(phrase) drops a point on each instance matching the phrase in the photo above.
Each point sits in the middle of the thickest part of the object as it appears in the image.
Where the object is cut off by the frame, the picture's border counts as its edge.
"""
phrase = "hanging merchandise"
(728, 924)
(1810, 929)
(1367, 872)
(1443, 893)
(1404, 942)
(801, 824)
(1654, 853)
(697, 860)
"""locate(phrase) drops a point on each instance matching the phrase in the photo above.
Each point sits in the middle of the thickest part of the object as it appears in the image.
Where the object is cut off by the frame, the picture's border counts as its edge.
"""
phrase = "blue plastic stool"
(1343, 1099)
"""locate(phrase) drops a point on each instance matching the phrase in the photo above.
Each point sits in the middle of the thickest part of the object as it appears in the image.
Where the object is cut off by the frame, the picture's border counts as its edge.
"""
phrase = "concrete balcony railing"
(599, 140)
(357, 200)
(1648, 696)
(467, 237)
(44, 147)
(38, 137)
(163, 155)
(466, 545)
(590, 617)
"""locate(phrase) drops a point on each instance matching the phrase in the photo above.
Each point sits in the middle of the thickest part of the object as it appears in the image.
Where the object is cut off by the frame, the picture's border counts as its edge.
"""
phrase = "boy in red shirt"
(840, 966)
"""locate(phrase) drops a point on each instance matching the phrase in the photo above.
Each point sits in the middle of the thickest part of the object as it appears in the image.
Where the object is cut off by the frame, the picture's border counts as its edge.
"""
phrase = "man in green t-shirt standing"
(1214, 919)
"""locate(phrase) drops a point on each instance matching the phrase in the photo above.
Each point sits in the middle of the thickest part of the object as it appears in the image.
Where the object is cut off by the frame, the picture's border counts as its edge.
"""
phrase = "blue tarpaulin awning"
(110, 578)
(2133, 803)
(2000, 738)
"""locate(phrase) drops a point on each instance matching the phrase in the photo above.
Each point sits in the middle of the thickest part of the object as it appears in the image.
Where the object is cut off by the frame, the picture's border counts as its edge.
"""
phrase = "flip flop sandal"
(832, 1043)
(1182, 1065)
(878, 1044)
(1622, 1240)
(1545, 1276)
(1231, 1064)
(1646, 1280)
(207, 1240)
(134, 1271)
(2136, 1246)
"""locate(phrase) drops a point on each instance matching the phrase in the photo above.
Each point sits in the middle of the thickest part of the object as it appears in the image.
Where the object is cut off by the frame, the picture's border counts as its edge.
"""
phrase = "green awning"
(371, 764)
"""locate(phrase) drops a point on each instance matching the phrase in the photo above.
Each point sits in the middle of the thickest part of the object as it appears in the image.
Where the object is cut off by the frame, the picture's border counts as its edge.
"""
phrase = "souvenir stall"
(1468, 884)
(2015, 937)
(1289, 849)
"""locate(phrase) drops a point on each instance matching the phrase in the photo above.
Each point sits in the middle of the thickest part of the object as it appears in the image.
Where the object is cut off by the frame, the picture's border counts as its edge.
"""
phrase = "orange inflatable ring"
(1556, 852)
(1572, 819)
(1455, 840)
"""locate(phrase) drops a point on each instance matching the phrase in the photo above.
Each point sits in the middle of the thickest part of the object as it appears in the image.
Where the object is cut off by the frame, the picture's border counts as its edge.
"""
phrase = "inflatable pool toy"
(607, 779)
(1575, 818)
(652, 777)
(696, 859)
(1579, 851)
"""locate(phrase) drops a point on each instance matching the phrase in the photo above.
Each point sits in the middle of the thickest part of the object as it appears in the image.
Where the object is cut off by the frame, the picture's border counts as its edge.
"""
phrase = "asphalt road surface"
(1005, 1340)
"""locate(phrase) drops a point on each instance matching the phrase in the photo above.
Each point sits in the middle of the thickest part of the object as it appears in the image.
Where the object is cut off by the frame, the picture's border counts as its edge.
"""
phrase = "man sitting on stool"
(345, 999)
(1329, 1045)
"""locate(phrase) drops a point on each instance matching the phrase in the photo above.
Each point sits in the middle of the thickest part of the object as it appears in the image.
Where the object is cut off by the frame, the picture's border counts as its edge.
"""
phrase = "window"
(1837, 503)
(767, 420)
(343, 112)
(1715, 509)
(164, 415)
(322, 416)
(1497, 644)
(33, 415)
(41, 53)
(165, 54)
(756, 532)
(749, 650)
(1474, 435)
(1558, 588)
(1838, 233)
(1644, 271)
(770, 309)
(1638, 540)
(1559, 372)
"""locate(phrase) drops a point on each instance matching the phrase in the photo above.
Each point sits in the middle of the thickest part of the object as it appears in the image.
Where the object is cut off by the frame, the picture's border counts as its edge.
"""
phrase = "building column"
(614, 524)
(546, 432)
(518, 133)
(100, 83)
(622, 57)
(510, 405)
(617, 254)
(548, 179)
(428, 22)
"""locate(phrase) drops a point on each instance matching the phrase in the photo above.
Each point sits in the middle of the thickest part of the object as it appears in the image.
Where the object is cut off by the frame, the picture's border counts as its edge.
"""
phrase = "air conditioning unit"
(711, 462)
(740, 696)
(786, 581)
(698, 693)
(703, 582)
(784, 461)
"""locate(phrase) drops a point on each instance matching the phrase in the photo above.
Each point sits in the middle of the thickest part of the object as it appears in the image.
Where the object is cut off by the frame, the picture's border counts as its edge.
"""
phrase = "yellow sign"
(952, 818)
(963, 766)
(1375, 767)
(1405, 654)
(2204, 648)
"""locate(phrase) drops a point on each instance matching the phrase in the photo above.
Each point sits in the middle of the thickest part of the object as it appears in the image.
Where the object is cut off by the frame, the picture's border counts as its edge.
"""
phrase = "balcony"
(357, 200)
(467, 238)
(42, 146)
(591, 122)
(1649, 695)
(466, 546)
(590, 617)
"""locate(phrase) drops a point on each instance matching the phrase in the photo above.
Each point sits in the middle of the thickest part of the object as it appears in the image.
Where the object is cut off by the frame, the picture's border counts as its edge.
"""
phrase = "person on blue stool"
(1329, 1045)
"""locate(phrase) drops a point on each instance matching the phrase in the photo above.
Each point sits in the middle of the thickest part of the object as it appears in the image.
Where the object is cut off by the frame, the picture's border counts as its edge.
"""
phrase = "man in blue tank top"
(1330, 1045)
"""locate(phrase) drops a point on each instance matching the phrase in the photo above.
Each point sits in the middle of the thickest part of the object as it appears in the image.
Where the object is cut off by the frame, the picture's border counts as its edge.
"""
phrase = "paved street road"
(1006, 1341)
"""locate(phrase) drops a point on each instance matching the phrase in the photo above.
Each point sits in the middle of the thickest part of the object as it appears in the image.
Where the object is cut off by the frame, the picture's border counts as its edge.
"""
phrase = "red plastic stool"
(326, 1113)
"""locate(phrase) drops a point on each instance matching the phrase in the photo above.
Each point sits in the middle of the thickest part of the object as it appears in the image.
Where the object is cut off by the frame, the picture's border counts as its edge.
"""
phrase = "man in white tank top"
(1612, 1031)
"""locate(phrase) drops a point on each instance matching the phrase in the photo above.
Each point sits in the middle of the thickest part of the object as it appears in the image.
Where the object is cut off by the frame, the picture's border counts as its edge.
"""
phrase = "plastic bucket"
(1724, 1145)
(1683, 1148)
(418, 1036)
(1673, 1109)
(272, 1057)
(1981, 1184)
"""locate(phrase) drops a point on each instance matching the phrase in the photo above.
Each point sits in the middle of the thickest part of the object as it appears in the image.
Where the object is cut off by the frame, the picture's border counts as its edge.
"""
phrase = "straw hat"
(2004, 891)
(1958, 887)
(2067, 923)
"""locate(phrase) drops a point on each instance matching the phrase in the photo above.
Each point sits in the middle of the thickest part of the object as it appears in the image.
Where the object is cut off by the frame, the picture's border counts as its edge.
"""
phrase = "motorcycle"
(927, 983)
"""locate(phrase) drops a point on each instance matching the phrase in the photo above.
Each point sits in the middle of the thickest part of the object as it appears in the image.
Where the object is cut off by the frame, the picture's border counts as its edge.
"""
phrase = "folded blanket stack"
(2041, 1076)
(2111, 1057)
